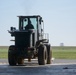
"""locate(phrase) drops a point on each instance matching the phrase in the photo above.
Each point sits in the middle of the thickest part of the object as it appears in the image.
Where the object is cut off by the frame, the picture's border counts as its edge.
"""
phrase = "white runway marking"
(3, 63)
(37, 59)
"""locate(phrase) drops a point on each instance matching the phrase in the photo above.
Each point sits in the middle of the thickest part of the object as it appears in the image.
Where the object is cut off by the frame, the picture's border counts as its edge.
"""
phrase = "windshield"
(26, 21)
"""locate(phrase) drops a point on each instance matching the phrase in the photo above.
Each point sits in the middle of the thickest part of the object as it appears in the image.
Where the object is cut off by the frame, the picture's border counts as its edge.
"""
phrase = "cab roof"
(33, 16)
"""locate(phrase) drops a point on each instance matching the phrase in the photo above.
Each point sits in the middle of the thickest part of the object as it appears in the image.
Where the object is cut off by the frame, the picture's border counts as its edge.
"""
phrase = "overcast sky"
(59, 18)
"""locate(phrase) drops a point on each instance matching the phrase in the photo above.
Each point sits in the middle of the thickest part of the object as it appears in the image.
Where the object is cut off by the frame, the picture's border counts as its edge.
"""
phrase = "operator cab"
(32, 22)
(36, 22)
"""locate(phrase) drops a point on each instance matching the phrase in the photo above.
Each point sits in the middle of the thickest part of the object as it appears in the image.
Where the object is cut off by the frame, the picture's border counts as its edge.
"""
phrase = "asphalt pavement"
(58, 67)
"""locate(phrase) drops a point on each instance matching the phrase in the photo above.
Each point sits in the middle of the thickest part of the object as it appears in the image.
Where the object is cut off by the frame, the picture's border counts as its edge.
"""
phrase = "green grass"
(66, 52)
(3, 52)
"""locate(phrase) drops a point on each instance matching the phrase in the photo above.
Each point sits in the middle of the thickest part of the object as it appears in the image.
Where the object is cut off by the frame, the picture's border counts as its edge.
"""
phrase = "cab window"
(33, 22)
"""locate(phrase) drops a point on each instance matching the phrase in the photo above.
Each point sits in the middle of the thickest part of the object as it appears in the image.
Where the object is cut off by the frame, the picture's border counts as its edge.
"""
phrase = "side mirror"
(40, 20)
(12, 28)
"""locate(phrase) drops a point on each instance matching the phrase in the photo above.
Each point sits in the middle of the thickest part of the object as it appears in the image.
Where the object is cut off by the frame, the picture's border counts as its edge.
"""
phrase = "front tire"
(11, 56)
(42, 55)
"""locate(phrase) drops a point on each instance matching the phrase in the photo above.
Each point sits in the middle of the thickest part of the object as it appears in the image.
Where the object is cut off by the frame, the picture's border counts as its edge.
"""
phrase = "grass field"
(66, 52)
(3, 52)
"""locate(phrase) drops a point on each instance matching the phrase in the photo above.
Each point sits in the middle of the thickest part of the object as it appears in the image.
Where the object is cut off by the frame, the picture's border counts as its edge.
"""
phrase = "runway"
(32, 68)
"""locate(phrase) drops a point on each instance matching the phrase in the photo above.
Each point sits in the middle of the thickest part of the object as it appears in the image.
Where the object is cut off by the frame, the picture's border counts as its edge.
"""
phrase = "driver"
(29, 25)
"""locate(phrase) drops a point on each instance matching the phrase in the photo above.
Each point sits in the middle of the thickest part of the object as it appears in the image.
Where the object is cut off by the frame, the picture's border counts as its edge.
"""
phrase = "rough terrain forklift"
(30, 42)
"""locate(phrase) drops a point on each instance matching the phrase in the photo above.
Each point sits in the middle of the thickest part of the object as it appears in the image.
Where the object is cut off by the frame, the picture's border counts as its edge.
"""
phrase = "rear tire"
(49, 54)
(12, 56)
(42, 55)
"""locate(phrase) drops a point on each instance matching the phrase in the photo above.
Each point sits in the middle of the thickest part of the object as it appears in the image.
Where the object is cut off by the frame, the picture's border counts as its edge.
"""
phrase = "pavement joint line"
(49, 64)
(63, 64)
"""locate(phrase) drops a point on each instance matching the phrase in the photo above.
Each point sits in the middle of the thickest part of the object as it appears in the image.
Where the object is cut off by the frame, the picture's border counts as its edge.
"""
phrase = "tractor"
(30, 42)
